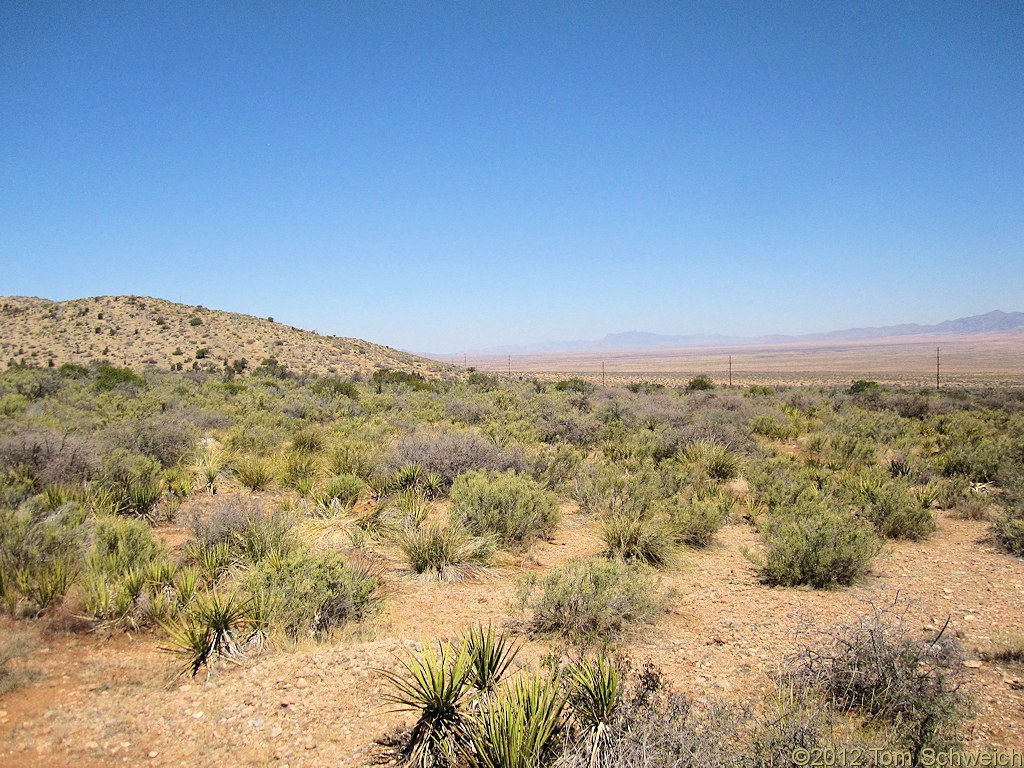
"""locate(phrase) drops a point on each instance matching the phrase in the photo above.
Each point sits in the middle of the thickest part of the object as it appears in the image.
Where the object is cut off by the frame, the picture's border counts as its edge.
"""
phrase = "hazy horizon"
(450, 179)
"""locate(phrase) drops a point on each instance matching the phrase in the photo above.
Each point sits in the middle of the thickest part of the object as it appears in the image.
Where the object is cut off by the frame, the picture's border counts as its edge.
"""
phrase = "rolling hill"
(141, 332)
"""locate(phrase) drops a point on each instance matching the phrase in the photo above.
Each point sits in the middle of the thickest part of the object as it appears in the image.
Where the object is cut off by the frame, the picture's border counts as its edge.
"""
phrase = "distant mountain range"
(996, 321)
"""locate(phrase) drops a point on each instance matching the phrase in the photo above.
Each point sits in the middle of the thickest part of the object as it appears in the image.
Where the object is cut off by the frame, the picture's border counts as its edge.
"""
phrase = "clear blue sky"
(443, 176)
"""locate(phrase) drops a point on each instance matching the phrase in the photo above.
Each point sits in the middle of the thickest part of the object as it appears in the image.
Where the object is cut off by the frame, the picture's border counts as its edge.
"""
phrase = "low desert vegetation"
(870, 686)
(232, 510)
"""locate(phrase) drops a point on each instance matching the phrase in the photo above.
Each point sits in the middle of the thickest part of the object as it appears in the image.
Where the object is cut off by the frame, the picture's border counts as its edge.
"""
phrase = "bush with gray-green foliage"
(591, 601)
(307, 594)
(695, 518)
(450, 454)
(815, 544)
(510, 507)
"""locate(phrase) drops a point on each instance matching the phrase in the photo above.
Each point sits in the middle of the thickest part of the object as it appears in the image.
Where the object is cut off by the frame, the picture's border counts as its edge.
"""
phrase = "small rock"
(153, 754)
(972, 664)
(301, 683)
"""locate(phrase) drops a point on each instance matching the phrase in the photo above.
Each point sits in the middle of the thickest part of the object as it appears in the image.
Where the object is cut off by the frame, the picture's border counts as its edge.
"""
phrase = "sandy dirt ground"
(111, 700)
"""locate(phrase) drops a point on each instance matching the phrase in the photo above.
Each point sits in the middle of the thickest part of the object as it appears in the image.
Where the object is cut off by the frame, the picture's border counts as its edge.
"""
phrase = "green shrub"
(700, 383)
(816, 545)
(863, 385)
(443, 552)
(695, 520)
(109, 377)
(590, 600)
(512, 508)
(639, 538)
(122, 543)
(254, 472)
(310, 593)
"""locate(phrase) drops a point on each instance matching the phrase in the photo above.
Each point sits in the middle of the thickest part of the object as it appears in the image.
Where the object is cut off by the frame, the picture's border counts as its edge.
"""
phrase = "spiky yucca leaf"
(434, 686)
(595, 691)
(517, 728)
(490, 655)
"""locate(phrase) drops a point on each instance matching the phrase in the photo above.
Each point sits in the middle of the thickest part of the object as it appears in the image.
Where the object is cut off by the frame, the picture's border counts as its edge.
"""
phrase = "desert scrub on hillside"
(590, 601)
(815, 544)
(511, 508)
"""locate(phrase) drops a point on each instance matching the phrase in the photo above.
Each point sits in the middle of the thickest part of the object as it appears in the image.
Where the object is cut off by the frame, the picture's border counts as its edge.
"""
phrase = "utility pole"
(602, 373)
(465, 363)
(510, 366)
(936, 367)
(730, 371)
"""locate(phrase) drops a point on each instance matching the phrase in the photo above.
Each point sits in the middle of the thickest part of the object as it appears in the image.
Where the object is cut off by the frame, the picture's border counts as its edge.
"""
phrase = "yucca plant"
(443, 552)
(51, 582)
(595, 693)
(413, 507)
(209, 472)
(180, 482)
(212, 631)
(490, 655)
(142, 496)
(159, 574)
(98, 601)
(254, 472)
(159, 608)
(187, 583)
(433, 485)
(434, 686)
(308, 441)
(408, 478)
(517, 728)
(299, 466)
(211, 558)
(133, 581)
(714, 459)
(380, 486)
(105, 500)
(645, 539)
(343, 489)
